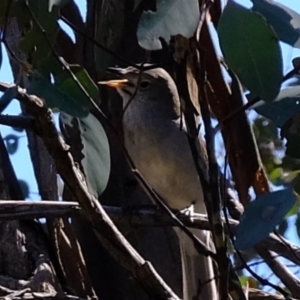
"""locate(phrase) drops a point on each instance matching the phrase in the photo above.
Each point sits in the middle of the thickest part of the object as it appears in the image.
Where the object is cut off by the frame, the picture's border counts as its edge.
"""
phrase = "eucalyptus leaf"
(286, 104)
(36, 37)
(285, 21)
(95, 150)
(261, 216)
(54, 96)
(65, 81)
(172, 17)
(251, 49)
(65, 94)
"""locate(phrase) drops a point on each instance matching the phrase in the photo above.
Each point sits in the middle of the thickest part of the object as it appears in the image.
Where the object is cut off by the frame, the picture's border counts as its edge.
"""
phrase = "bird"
(156, 139)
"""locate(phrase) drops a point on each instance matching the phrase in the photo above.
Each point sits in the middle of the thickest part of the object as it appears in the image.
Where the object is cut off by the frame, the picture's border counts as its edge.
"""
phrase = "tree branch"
(139, 217)
(106, 231)
(16, 121)
(281, 271)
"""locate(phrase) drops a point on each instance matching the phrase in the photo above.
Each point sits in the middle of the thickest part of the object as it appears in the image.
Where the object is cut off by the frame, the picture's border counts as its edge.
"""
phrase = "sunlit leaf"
(65, 81)
(261, 216)
(95, 150)
(276, 175)
(251, 49)
(172, 17)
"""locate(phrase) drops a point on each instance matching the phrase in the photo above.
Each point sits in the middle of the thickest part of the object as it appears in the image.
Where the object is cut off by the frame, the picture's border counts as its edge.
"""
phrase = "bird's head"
(143, 85)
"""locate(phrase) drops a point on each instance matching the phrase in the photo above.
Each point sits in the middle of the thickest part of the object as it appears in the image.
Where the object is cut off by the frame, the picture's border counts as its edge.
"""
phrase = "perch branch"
(142, 217)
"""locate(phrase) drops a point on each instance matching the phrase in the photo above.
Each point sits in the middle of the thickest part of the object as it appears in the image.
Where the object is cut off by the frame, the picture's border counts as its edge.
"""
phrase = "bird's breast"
(160, 151)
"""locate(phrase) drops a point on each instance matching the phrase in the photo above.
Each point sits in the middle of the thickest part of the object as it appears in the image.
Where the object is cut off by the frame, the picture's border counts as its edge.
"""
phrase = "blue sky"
(21, 159)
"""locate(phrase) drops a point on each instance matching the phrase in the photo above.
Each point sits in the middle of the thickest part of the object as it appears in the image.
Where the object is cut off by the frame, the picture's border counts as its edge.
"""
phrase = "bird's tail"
(199, 282)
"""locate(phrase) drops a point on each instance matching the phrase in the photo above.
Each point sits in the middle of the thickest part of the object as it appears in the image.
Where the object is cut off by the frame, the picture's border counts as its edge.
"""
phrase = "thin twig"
(281, 271)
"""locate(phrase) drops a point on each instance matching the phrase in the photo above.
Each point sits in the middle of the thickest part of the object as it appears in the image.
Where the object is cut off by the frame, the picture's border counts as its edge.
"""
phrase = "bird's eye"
(144, 84)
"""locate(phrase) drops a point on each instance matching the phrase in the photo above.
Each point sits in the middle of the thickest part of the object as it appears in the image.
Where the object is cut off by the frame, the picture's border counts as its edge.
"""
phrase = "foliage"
(262, 215)
(260, 71)
(250, 43)
(95, 150)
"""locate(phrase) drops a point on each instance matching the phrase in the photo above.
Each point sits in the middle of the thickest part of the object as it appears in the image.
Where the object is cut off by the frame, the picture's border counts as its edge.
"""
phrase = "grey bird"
(155, 138)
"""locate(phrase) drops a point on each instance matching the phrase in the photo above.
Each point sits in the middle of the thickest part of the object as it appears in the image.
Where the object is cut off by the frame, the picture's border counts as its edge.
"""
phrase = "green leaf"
(96, 155)
(286, 104)
(275, 176)
(12, 143)
(65, 94)
(66, 82)
(284, 20)
(249, 281)
(251, 49)
(261, 216)
(172, 17)
(35, 40)
(7, 97)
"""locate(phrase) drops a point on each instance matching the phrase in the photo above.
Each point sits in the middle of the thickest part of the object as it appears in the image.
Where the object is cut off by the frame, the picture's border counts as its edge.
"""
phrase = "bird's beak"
(114, 83)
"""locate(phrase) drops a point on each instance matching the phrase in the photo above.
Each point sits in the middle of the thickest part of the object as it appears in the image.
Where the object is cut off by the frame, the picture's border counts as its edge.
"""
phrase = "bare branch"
(24, 210)
(281, 271)
(16, 121)
(139, 217)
